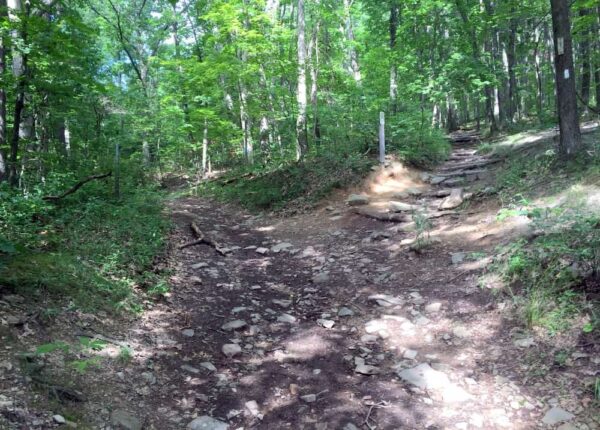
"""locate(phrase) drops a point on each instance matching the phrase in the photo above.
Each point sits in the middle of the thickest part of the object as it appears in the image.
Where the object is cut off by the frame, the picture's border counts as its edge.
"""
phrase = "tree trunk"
(301, 132)
(586, 77)
(313, 51)
(394, 20)
(205, 148)
(511, 62)
(248, 145)
(353, 65)
(570, 135)
(3, 164)
(19, 72)
(597, 65)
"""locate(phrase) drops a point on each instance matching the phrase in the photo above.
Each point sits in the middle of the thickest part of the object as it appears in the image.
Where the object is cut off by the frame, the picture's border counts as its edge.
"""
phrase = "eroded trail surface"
(331, 321)
(338, 320)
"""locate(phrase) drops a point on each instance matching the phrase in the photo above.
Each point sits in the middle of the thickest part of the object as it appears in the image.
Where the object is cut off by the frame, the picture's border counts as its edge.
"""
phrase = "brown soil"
(470, 339)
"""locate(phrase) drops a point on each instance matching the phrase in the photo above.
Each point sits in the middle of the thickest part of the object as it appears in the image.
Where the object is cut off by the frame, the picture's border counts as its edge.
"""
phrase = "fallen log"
(201, 239)
(77, 186)
(472, 165)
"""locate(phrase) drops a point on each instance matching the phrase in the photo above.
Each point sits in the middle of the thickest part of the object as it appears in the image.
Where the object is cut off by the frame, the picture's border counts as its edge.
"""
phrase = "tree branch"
(77, 186)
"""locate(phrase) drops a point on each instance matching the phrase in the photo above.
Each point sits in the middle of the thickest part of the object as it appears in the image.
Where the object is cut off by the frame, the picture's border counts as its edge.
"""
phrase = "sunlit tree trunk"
(313, 52)
(205, 148)
(19, 61)
(570, 135)
(301, 132)
(353, 65)
(394, 21)
(247, 143)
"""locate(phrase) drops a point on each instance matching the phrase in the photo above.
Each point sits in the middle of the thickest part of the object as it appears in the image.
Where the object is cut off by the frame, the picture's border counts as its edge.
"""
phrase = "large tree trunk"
(394, 21)
(597, 63)
(570, 135)
(3, 163)
(586, 77)
(301, 132)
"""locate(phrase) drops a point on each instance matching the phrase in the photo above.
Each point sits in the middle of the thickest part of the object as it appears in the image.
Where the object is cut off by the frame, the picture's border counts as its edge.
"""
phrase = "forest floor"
(325, 320)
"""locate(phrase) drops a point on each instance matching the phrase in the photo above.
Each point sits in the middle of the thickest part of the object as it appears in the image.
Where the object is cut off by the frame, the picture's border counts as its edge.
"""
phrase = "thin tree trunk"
(205, 148)
(511, 63)
(586, 77)
(394, 21)
(301, 132)
(570, 135)
(353, 64)
(313, 51)
(248, 146)
(19, 72)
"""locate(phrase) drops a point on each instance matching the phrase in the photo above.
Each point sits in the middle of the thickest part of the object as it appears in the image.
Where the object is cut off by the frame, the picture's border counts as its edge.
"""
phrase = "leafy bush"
(422, 149)
(89, 247)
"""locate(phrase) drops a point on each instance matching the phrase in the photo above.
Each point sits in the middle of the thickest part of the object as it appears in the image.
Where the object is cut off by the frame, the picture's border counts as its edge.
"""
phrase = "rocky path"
(334, 320)
(331, 321)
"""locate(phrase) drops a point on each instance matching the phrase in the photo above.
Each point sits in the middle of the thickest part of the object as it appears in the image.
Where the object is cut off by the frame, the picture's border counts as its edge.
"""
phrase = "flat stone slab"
(357, 200)
(402, 207)
(125, 420)
(207, 423)
(234, 325)
(425, 377)
(557, 415)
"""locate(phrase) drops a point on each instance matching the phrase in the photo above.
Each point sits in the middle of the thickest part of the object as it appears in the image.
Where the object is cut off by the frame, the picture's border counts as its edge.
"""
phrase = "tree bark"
(597, 63)
(353, 64)
(19, 72)
(3, 162)
(586, 77)
(301, 132)
(570, 135)
(394, 21)
(248, 144)
(205, 148)
(313, 51)
(511, 62)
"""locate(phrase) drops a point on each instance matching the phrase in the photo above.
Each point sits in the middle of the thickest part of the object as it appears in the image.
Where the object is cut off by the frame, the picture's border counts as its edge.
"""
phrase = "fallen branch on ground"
(202, 239)
(382, 404)
(59, 392)
(77, 186)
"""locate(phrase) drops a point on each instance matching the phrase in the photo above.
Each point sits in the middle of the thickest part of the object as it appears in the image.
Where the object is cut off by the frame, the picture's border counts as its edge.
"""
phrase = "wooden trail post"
(381, 137)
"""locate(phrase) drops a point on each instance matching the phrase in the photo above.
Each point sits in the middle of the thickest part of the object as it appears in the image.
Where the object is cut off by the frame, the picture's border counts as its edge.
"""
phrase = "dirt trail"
(340, 325)
(343, 325)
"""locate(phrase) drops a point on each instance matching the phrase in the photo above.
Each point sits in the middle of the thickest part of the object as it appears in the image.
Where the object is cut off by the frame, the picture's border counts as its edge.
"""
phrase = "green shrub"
(549, 273)
(89, 247)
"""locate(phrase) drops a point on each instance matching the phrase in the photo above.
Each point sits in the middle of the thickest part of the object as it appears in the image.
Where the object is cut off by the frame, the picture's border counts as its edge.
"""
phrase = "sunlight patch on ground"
(393, 179)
